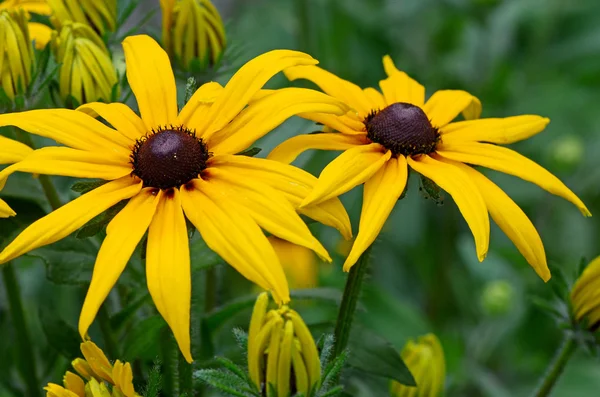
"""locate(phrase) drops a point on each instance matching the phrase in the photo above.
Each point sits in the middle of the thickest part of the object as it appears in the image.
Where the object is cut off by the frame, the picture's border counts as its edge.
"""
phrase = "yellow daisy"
(10, 152)
(38, 32)
(169, 163)
(396, 128)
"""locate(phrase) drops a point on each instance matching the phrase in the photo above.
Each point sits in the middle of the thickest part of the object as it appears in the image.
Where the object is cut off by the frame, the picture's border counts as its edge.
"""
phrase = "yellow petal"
(70, 217)
(199, 102)
(39, 33)
(120, 116)
(510, 162)
(273, 356)
(506, 130)
(123, 234)
(445, 105)
(5, 210)
(299, 263)
(376, 99)
(74, 383)
(590, 276)
(349, 123)
(284, 361)
(465, 193)
(168, 268)
(348, 170)
(380, 196)
(97, 360)
(289, 150)
(264, 115)
(12, 151)
(235, 236)
(245, 83)
(151, 79)
(399, 87)
(309, 349)
(36, 6)
(123, 378)
(54, 390)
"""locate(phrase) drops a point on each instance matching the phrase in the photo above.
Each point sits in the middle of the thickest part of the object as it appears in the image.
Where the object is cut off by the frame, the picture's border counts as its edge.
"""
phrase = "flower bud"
(497, 297)
(16, 53)
(425, 360)
(38, 33)
(279, 342)
(585, 296)
(101, 15)
(193, 32)
(299, 263)
(86, 73)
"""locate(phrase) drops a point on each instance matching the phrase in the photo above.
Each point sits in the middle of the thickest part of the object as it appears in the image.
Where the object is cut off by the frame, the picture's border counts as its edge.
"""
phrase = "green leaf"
(99, 222)
(224, 381)
(86, 186)
(68, 261)
(60, 335)
(141, 339)
(154, 385)
(251, 152)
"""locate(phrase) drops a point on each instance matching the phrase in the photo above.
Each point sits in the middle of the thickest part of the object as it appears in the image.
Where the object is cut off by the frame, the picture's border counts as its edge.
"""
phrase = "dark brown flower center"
(402, 128)
(169, 157)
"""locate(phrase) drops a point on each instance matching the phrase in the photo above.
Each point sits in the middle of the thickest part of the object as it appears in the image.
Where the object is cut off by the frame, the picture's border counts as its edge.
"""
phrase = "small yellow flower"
(425, 360)
(96, 377)
(16, 53)
(389, 131)
(278, 343)
(585, 296)
(38, 32)
(192, 30)
(101, 15)
(86, 71)
(298, 262)
(10, 152)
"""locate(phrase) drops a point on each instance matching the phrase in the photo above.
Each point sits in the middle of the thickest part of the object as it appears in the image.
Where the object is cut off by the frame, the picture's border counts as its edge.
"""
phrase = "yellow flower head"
(16, 53)
(38, 32)
(390, 130)
(86, 71)
(192, 30)
(101, 15)
(278, 343)
(96, 377)
(171, 164)
(585, 296)
(10, 152)
(425, 360)
(299, 263)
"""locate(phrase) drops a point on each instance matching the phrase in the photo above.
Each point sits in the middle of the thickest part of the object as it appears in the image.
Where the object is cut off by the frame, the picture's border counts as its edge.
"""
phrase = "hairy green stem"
(556, 367)
(25, 346)
(185, 378)
(170, 368)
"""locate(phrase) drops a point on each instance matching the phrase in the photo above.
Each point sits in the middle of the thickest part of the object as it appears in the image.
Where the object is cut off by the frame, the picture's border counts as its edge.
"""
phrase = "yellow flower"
(97, 377)
(299, 263)
(10, 152)
(101, 15)
(388, 132)
(16, 53)
(192, 30)
(425, 360)
(585, 296)
(278, 343)
(86, 71)
(168, 163)
(38, 32)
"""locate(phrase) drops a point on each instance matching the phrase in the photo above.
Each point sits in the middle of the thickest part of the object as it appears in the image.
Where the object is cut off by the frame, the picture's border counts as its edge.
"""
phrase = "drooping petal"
(199, 102)
(70, 217)
(399, 87)
(264, 115)
(12, 151)
(152, 81)
(123, 234)
(168, 270)
(5, 210)
(349, 123)
(119, 115)
(235, 236)
(39, 33)
(510, 162)
(348, 170)
(504, 131)
(380, 196)
(465, 193)
(445, 105)
(287, 151)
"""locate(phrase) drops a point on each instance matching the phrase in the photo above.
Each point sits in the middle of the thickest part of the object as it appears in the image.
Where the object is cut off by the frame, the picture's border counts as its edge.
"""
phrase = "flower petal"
(445, 105)
(348, 170)
(264, 115)
(199, 102)
(289, 150)
(5, 210)
(465, 193)
(506, 130)
(39, 33)
(12, 151)
(151, 79)
(347, 124)
(123, 234)
(235, 236)
(70, 217)
(510, 162)
(380, 196)
(168, 270)
(120, 116)
(399, 87)
(375, 97)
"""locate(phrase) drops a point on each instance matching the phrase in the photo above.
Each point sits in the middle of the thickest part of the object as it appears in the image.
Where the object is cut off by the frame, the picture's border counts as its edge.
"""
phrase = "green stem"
(107, 334)
(185, 377)
(349, 301)
(170, 368)
(24, 344)
(557, 366)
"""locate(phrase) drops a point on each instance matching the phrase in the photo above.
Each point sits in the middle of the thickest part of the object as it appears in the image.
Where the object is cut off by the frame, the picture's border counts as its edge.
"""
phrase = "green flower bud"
(101, 15)
(497, 297)
(16, 53)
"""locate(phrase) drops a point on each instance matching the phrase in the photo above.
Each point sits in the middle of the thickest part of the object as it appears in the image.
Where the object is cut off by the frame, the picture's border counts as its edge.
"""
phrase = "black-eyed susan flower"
(86, 71)
(95, 377)
(16, 53)
(281, 349)
(101, 15)
(390, 130)
(38, 32)
(300, 264)
(10, 152)
(192, 32)
(585, 296)
(425, 360)
(174, 164)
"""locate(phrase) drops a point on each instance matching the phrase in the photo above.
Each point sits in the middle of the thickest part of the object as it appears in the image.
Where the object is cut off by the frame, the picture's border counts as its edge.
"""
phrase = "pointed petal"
(510, 162)
(289, 150)
(151, 79)
(168, 270)
(380, 196)
(504, 131)
(465, 193)
(120, 116)
(445, 105)
(399, 87)
(123, 234)
(70, 217)
(12, 151)
(5, 210)
(375, 97)
(350, 124)
(348, 170)
(199, 103)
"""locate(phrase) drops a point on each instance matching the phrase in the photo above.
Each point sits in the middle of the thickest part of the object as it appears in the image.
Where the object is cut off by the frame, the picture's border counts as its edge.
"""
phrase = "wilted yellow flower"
(96, 377)
(10, 152)
(192, 30)
(585, 296)
(101, 15)
(298, 262)
(38, 32)
(86, 72)
(16, 53)
(278, 343)
(425, 360)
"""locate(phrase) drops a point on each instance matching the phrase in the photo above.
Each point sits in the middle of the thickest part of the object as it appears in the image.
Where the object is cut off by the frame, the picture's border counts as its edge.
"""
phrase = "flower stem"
(557, 366)
(185, 378)
(27, 359)
(170, 367)
(349, 301)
